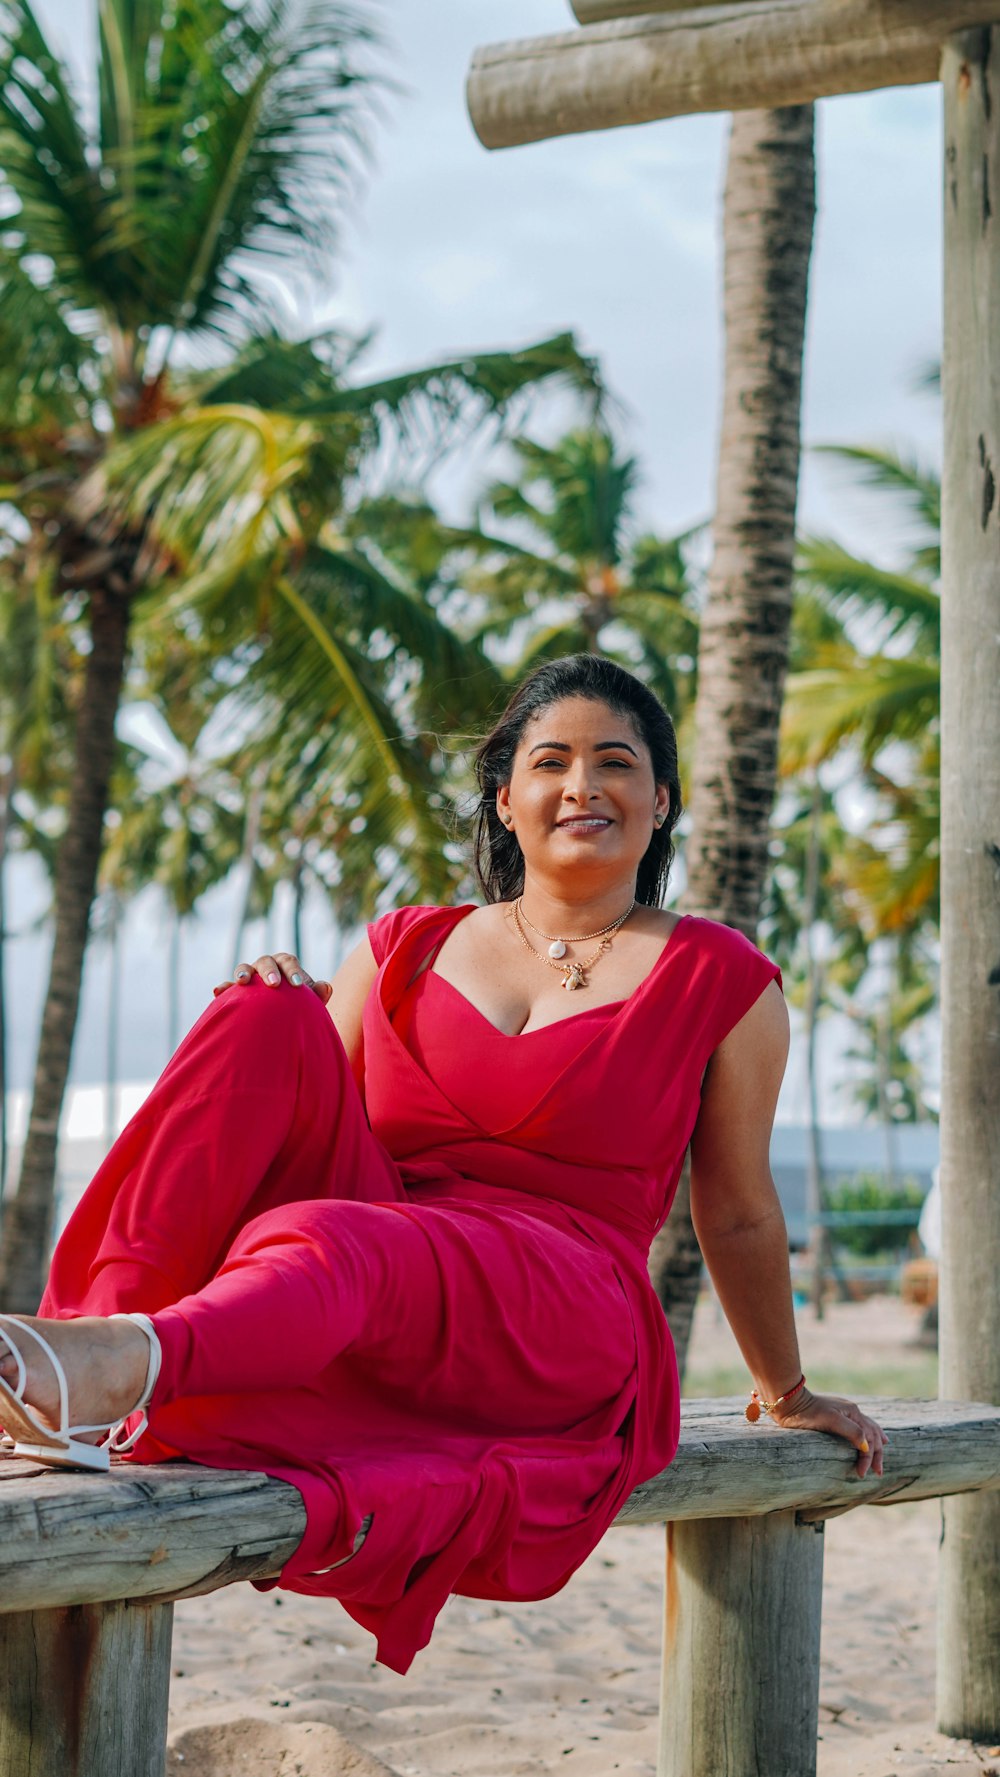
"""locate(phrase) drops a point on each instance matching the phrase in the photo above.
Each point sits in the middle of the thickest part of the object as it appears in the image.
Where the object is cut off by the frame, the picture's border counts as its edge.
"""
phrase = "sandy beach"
(281, 1685)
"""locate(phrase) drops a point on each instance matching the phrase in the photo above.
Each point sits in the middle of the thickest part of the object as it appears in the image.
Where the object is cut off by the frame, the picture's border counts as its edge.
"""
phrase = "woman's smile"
(584, 823)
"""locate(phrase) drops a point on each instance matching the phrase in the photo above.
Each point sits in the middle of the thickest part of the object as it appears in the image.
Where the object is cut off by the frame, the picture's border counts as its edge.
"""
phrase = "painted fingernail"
(243, 974)
(864, 1445)
(296, 979)
(273, 979)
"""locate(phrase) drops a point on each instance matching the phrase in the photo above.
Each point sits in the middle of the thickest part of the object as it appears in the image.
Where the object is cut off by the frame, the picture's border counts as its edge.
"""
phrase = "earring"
(659, 819)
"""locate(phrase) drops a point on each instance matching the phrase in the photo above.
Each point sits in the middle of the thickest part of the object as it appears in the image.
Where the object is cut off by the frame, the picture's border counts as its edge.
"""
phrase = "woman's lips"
(584, 823)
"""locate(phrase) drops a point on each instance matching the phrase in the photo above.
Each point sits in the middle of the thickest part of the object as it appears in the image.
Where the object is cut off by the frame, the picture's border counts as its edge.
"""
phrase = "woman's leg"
(300, 1285)
(257, 1108)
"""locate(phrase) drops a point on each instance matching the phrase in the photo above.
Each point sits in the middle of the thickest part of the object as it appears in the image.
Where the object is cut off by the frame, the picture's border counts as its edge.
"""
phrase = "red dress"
(438, 1318)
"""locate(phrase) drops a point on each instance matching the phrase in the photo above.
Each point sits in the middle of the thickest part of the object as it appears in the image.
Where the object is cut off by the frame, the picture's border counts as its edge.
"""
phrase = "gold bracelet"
(757, 1404)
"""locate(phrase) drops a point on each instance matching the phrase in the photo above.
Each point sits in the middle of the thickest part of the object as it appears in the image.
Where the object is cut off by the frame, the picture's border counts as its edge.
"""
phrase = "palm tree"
(869, 686)
(40, 671)
(226, 138)
(744, 639)
(571, 571)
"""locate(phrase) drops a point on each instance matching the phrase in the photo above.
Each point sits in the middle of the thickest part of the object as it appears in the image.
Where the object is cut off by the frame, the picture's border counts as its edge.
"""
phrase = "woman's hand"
(830, 1412)
(272, 970)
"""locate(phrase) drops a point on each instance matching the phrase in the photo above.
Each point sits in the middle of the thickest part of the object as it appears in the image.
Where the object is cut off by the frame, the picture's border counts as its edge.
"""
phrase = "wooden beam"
(144, 1531)
(162, 1530)
(591, 12)
(969, 1568)
(731, 57)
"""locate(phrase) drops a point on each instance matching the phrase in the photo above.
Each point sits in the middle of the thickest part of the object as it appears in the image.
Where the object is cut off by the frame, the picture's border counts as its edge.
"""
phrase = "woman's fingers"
(845, 1420)
(867, 1437)
(272, 970)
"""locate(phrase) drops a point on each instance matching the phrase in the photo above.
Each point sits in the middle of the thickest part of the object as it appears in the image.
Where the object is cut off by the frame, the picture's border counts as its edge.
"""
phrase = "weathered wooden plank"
(726, 1468)
(727, 57)
(84, 1691)
(969, 1590)
(159, 1531)
(140, 1532)
(590, 12)
(739, 1695)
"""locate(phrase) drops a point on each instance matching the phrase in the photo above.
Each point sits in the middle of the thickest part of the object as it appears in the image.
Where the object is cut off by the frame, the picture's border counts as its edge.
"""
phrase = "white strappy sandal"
(62, 1448)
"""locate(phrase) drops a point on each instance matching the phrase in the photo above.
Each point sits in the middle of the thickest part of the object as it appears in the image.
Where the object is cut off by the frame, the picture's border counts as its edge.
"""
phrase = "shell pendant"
(574, 977)
(557, 948)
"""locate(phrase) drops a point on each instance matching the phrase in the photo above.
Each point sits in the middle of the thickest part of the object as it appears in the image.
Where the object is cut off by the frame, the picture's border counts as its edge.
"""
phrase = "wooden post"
(968, 1698)
(729, 57)
(740, 1688)
(83, 1691)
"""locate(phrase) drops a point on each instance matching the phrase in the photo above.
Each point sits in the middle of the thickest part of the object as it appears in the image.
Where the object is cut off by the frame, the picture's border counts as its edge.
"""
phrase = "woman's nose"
(578, 787)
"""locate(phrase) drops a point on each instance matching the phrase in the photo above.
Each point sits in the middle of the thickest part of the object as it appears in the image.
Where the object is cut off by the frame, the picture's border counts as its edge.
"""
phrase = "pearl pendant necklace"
(574, 974)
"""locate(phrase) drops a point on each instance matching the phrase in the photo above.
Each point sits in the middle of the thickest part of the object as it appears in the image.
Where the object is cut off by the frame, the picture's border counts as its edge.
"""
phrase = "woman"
(436, 1320)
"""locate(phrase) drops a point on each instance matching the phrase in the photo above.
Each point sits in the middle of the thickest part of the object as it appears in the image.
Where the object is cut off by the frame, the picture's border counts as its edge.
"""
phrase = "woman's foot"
(105, 1362)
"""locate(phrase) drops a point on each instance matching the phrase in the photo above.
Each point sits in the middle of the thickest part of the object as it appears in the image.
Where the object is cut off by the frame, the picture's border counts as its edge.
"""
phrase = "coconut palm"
(572, 571)
(870, 686)
(768, 215)
(167, 450)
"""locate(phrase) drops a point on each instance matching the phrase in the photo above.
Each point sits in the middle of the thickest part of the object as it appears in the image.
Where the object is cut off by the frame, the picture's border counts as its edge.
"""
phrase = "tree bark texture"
(728, 57)
(969, 1586)
(769, 210)
(28, 1216)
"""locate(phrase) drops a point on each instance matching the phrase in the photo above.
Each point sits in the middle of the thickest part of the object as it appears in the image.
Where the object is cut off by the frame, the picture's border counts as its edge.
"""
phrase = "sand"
(280, 1685)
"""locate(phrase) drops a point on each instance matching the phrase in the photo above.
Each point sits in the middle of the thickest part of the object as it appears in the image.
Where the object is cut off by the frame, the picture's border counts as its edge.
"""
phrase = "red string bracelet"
(757, 1404)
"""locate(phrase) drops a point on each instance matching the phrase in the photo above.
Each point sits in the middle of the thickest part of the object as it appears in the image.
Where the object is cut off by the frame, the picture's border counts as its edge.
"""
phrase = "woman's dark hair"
(498, 862)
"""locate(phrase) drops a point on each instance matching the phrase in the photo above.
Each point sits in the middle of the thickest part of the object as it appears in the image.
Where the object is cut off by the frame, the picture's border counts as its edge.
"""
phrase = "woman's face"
(582, 796)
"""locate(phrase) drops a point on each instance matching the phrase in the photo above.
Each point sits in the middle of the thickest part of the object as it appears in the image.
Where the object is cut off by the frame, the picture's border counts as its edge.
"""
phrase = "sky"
(617, 237)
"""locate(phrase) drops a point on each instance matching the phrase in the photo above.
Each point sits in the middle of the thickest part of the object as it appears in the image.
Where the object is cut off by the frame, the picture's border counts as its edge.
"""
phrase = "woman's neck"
(554, 909)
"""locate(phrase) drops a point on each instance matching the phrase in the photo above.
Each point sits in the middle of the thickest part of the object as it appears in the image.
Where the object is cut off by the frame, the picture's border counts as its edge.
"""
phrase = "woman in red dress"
(394, 1252)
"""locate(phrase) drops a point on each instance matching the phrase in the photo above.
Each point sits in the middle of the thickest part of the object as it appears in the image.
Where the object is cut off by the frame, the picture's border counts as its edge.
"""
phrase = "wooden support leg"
(83, 1691)
(740, 1689)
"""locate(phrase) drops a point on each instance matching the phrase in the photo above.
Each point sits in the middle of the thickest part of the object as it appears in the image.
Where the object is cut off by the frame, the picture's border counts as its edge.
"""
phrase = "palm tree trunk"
(174, 984)
(27, 1223)
(6, 792)
(743, 648)
(818, 1234)
(298, 902)
(251, 831)
(114, 1023)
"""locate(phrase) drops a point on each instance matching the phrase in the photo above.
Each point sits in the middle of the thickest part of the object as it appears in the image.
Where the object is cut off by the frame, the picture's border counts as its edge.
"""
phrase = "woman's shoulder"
(390, 929)
(717, 939)
(731, 969)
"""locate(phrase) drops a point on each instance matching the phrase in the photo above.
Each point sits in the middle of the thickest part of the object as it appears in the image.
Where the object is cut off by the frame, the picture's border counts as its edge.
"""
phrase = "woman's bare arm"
(738, 1219)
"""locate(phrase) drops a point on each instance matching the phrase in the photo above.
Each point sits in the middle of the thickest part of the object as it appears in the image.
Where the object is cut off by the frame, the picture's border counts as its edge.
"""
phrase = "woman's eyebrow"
(561, 746)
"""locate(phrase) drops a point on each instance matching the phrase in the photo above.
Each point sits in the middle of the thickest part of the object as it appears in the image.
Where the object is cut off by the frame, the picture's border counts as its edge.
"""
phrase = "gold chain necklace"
(574, 974)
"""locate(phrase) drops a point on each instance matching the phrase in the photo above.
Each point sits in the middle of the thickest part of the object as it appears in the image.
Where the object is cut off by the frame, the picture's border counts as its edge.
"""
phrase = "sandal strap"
(116, 1442)
(60, 1374)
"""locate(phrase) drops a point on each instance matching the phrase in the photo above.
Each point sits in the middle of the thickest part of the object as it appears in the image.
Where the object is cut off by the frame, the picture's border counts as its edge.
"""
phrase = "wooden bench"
(90, 1566)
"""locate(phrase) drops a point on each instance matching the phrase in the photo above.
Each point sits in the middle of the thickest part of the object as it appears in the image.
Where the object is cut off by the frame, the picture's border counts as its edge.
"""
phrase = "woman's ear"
(661, 807)
(503, 807)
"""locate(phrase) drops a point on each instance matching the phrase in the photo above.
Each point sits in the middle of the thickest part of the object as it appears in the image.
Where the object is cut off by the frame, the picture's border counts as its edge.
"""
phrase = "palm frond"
(852, 586)
(48, 376)
(225, 134)
(60, 211)
(441, 404)
(887, 472)
(867, 699)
